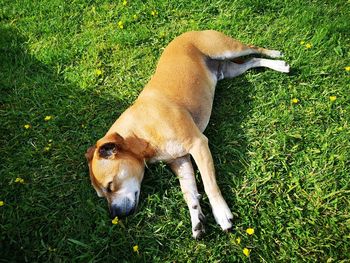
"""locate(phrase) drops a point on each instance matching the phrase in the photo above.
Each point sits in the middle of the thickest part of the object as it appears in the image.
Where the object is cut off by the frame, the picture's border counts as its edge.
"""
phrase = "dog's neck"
(139, 147)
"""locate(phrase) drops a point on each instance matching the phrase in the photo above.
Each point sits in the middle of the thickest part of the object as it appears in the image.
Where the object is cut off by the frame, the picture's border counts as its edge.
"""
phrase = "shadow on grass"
(56, 201)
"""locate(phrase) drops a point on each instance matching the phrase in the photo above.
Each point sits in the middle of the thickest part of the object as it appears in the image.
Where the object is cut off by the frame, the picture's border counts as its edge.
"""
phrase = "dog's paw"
(274, 54)
(281, 66)
(223, 216)
(198, 228)
(198, 231)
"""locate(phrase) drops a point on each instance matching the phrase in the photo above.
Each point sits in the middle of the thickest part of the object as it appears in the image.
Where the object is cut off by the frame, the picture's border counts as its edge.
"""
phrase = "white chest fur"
(171, 150)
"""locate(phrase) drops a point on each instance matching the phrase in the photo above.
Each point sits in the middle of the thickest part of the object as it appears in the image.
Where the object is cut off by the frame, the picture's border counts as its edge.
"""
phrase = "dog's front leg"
(202, 156)
(182, 167)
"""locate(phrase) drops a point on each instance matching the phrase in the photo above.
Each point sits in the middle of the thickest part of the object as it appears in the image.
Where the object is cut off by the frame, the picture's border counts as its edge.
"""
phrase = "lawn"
(281, 142)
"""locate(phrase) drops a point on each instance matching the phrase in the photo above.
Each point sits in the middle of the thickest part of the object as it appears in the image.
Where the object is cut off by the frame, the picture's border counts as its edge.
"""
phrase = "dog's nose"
(123, 210)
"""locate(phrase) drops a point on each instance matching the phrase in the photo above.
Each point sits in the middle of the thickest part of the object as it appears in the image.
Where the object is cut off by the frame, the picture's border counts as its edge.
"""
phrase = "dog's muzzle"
(124, 207)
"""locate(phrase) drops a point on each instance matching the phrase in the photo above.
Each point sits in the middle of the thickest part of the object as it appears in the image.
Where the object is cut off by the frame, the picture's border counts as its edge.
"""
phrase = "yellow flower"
(238, 240)
(47, 148)
(308, 45)
(19, 180)
(27, 126)
(115, 221)
(121, 24)
(154, 12)
(246, 251)
(125, 3)
(47, 118)
(295, 101)
(98, 72)
(302, 43)
(250, 231)
(135, 248)
(2, 203)
(347, 68)
(332, 98)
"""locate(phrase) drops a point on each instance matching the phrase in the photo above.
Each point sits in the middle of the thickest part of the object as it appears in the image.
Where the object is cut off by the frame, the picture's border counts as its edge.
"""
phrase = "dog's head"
(116, 170)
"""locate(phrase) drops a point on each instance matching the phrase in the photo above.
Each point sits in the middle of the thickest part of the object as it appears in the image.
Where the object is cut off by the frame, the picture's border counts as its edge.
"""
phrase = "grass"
(283, 167)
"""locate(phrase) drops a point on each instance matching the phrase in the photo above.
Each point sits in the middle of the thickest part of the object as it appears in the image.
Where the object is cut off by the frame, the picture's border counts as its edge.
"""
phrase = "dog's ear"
(90, 153)
(110, 145)
(107, 150)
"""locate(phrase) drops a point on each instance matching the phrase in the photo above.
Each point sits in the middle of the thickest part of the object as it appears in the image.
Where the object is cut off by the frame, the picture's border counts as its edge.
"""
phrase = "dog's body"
(167, 121)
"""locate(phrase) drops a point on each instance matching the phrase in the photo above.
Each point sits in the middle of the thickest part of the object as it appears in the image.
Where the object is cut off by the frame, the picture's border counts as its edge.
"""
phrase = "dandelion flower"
(238, 240)
(332, 98)
(135, 248)
(98, 72)
(26, 126)
(115, 221)
(19, 180)
(47, 118)
(308, 46)
(347, 68)
(250, 231)
(295, 101)
(246, 251)
(154, 12)
(47, 148)
(2, 203)
(121, 24)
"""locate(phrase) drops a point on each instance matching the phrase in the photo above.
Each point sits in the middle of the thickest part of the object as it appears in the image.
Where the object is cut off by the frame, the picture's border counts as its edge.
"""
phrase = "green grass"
(284, 168)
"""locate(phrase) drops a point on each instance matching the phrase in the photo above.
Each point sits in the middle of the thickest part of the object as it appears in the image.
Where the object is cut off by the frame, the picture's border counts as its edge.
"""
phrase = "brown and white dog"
(167, 121)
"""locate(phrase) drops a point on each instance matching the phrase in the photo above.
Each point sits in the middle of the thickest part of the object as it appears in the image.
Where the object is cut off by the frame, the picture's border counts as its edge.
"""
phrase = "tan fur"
(167, 119)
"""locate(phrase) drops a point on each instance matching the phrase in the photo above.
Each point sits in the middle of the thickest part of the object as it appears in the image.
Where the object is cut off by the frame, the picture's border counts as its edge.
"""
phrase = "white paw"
(198, 230)
(197, 219)
(274, 53)
(223, 216)
(280, 65)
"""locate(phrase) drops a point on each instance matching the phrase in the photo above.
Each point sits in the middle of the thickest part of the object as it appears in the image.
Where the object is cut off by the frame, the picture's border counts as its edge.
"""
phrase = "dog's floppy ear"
(90, 153)
(110, 145)
(107, 150)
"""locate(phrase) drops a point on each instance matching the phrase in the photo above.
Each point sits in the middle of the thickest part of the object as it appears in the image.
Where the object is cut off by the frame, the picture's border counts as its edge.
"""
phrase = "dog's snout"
(124, 209)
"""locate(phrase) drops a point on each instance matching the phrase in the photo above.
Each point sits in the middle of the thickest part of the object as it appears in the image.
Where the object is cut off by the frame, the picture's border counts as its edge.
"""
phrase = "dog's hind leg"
(228, 69)
(182, 167)
(217, 45)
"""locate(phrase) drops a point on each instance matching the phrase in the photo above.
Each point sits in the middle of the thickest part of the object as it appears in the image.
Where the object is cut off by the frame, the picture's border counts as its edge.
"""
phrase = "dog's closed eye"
(109, 187)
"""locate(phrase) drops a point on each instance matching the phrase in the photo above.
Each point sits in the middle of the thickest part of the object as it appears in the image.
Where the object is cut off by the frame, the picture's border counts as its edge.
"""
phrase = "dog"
(166, 123)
